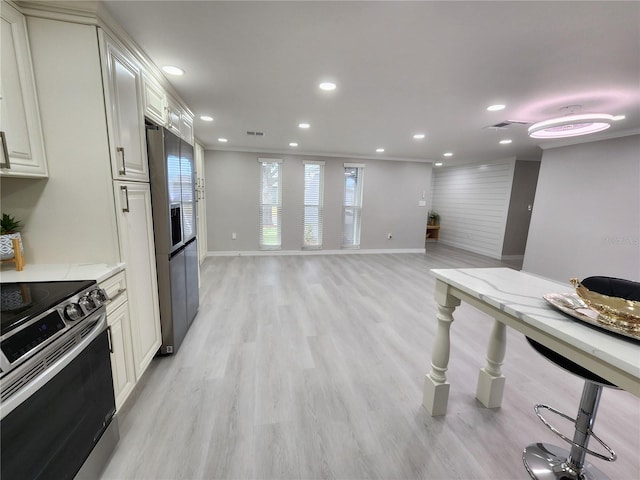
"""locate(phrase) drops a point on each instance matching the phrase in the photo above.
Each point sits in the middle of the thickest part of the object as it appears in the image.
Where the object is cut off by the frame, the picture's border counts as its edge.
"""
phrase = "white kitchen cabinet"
(201, 205)
(119, 325)
(155, 100)
(22, 152)
(174, 116)
(186, 127)
(135, 232)
(125, 119)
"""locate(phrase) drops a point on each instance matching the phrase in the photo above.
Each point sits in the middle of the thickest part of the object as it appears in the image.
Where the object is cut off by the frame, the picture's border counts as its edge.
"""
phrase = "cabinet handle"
(109, 338)
(5, 152)
(124, 166)
(126, 196)
(119, 293)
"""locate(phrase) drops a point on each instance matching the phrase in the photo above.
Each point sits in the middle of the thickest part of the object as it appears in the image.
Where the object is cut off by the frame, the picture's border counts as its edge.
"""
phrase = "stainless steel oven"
(58, 407)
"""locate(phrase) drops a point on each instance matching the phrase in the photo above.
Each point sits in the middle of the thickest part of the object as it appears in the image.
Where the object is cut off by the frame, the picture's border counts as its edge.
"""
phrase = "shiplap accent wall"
(473, 202)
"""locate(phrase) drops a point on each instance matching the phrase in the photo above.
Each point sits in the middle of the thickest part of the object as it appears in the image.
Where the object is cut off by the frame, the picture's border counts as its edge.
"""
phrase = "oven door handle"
(51, 371)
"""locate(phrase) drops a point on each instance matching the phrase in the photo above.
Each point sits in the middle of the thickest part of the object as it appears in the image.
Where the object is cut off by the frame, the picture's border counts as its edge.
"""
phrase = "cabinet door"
(173, 116)
(154, 101)
(186, 128)
(201, 205)
(22, 150)
(125, 119)
(122, 367)
(135, 231)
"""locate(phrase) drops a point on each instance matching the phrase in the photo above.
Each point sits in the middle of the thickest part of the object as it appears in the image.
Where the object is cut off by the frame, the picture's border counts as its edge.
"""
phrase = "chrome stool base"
(548, 462)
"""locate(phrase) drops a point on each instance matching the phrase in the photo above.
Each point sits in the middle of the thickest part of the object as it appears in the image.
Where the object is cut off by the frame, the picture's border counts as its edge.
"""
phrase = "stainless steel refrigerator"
(172, 176)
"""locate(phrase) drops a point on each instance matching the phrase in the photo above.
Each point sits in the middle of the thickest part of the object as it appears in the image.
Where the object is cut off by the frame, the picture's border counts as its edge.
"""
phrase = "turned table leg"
(436, 388)
(491, 381)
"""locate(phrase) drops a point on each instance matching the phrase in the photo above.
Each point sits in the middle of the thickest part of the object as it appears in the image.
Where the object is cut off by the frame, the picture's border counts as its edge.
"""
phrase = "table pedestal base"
(490, 389)
(435, 397)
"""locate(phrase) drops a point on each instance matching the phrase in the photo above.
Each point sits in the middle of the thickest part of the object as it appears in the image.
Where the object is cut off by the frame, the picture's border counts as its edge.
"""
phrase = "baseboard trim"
(513, 257)
(265, 253)
(479, 251)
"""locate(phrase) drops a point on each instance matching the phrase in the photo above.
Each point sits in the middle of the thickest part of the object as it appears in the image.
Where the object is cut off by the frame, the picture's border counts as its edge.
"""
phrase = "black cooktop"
(26, 300)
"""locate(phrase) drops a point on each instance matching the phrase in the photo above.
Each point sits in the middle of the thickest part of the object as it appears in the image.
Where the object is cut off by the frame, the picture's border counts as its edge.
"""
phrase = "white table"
(514, 299)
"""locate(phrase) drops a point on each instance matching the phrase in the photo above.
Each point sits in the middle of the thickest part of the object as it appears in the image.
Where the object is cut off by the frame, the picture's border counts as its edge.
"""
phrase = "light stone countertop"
(60, 272)
(520, 295)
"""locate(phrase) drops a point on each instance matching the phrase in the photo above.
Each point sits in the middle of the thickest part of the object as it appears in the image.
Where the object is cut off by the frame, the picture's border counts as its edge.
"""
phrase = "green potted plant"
(434, 217)
(9, 229)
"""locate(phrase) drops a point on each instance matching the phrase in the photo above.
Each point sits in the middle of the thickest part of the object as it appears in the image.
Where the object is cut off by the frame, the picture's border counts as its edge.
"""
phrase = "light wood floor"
(305, 367)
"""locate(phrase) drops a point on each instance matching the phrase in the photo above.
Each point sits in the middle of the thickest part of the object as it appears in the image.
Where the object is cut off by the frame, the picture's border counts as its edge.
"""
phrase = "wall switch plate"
(422, 203)
(233, 236)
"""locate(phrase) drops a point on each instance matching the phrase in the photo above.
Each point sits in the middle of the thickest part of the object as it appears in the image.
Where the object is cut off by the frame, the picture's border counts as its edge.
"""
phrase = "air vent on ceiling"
(506, 123)
(256, 134)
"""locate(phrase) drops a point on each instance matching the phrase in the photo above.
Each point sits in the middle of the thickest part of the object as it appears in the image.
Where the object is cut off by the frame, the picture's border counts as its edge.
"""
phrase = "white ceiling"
(400, 67)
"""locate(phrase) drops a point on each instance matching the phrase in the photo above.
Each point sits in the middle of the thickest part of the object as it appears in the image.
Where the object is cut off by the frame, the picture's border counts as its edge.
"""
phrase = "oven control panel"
(21, 344)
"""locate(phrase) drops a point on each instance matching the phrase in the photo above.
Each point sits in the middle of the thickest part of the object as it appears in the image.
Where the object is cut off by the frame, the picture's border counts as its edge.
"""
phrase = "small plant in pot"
(9, 229)
(434, 217)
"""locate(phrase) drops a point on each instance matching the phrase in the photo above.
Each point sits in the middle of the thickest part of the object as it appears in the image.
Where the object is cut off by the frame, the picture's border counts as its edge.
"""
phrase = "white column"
(436, 388)
(490, 380)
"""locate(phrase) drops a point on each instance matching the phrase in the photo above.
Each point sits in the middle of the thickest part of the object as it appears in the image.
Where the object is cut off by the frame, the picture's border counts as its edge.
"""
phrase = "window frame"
(319, 206)
(262, 162)
(356, 206)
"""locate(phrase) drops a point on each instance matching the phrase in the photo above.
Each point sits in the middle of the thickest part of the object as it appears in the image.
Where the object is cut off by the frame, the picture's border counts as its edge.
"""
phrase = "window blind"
(270, 208)
(352, 205)
(313, 204)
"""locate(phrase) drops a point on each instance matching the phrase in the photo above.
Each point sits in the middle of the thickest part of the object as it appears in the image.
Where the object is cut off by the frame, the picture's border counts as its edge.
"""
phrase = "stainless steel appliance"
(172, 178)
(58, 408)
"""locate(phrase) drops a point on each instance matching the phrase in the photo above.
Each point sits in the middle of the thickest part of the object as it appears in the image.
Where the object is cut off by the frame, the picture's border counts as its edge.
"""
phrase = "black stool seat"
(568, 365)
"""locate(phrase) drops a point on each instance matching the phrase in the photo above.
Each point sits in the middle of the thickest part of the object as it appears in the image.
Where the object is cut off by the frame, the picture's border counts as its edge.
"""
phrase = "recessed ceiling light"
(379, 150)
(327, 86)
(293, 144)
(448, 154)
(222, 140)
(571, 125)
(618, 117)
(438, 164)
(304, 125)
(506, 141)
(496, 108)
(206, 118)
(419, 136)
(171, 70)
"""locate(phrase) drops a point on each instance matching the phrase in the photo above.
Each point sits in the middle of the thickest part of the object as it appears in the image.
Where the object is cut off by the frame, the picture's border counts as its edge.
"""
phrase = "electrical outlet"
(233, 236)
(389, 236)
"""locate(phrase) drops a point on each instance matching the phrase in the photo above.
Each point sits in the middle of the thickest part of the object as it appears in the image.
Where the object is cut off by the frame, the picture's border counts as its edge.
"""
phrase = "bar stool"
(549, 462)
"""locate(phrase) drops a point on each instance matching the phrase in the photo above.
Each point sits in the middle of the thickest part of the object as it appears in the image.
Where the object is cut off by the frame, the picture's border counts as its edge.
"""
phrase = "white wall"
(69, 217)
(586, 218)
(473, 201)
(392, 191)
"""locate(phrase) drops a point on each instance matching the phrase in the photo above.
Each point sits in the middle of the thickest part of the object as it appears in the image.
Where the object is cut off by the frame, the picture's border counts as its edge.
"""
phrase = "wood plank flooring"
(309, 367)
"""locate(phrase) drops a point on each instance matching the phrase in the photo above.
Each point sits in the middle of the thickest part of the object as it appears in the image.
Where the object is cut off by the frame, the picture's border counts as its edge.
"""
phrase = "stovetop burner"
(23, 301)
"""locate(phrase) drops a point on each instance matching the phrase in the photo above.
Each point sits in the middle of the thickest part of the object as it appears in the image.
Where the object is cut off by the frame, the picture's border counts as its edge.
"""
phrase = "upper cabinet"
(174, 113)
(155, 100)
(22, 151)
(125, 119)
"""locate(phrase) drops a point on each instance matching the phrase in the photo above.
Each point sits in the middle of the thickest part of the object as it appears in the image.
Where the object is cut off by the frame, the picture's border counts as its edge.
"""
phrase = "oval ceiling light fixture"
(506, 141)
(496, 108)
(438, 164)
(419, 136)
(379, 150)
(293, 144)
(448, 154)
(304, 125)
(171, 70)
(222, 140)
(327, 86)
(571, 125)
(206, 118)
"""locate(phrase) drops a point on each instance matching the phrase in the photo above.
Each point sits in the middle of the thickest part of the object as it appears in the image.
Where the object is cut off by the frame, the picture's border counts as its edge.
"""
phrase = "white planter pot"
(6, 245)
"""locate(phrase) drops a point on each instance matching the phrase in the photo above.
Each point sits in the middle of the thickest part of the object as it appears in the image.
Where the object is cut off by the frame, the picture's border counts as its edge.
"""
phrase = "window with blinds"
(270, 214)
(313, 204)
(352, 205)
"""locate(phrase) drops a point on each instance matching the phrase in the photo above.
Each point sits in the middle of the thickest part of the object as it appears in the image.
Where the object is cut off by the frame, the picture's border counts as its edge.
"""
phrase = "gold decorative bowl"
(612, 310)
